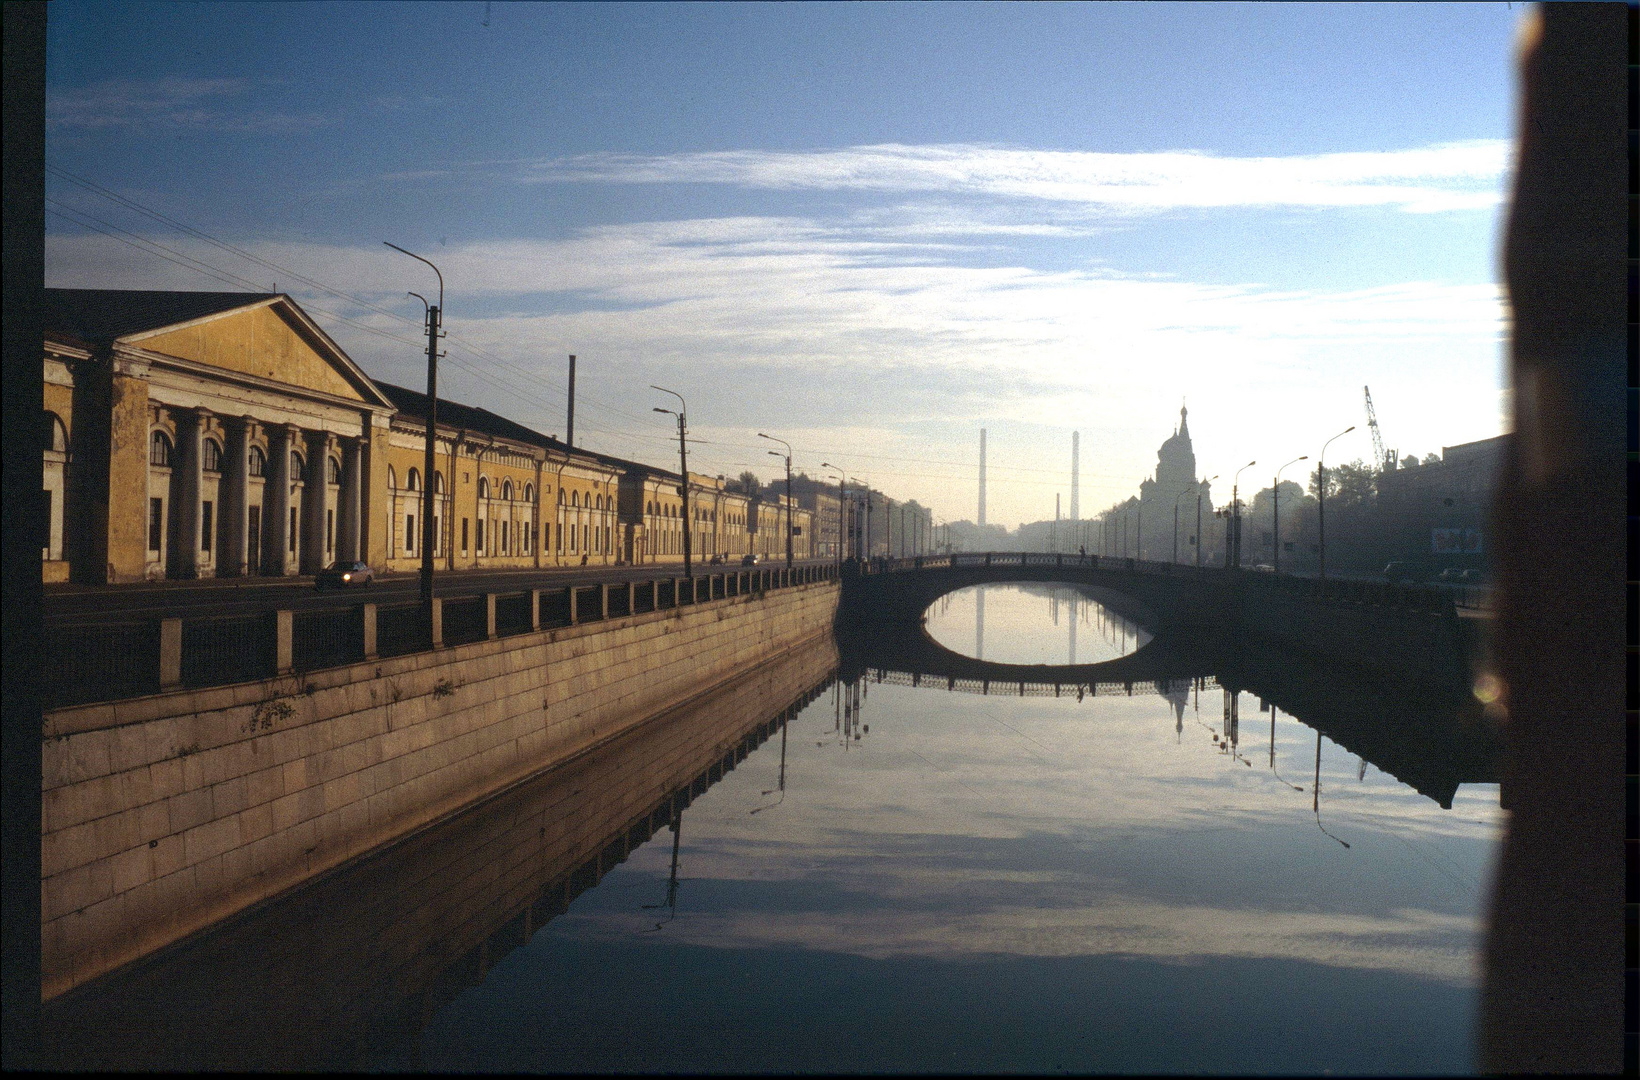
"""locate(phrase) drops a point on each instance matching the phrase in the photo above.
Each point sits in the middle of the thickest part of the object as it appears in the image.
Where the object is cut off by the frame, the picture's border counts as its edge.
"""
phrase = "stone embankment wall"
(165, 814)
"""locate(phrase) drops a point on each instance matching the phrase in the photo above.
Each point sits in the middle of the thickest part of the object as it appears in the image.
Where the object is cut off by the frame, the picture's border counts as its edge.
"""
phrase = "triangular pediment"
(270, 340)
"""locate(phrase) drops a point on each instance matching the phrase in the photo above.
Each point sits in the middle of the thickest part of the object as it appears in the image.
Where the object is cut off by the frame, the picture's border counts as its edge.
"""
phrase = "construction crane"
(1386, 460)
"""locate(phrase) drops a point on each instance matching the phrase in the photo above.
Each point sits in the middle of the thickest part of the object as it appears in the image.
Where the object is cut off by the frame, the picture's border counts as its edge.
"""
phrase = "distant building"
(1175, 475)
(1439, 509)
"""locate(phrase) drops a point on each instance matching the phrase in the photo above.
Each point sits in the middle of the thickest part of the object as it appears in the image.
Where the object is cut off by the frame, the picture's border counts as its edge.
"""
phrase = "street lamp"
(1235, 515)
(842, 512)
(435, 316)
(1199, 487)
(864, 544)
(1275, 512)
(683, 468)
(776, 453)
(1321, 496)
(1176, 499)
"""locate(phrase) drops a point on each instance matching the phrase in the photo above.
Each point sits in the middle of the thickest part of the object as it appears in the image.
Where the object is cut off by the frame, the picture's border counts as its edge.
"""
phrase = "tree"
(749, 483)
(1347, 485)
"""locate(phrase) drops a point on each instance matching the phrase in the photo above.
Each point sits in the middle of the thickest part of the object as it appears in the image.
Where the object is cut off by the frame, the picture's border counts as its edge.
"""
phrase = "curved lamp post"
(842, 513)
(683, 469)
(1275, 512)
(1235, 516)
(1321, 496)
(435, 317)
(1199, 544)
(788, 456)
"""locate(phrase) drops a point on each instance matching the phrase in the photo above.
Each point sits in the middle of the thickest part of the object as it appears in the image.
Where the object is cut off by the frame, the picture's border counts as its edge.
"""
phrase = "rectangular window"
(330, 531)
(156, 523)
(253, 541)
(409, 534)
(480, 531)
(46, 500)
(438, 536)
(206, 521)
(464, 536)
(293, 529)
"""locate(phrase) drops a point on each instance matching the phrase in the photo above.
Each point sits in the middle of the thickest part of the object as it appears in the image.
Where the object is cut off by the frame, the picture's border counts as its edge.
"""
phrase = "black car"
(340, 575)
(751, 560)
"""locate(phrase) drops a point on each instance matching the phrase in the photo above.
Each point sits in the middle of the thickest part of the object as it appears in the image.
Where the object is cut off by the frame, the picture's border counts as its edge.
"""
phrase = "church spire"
(1184, 428)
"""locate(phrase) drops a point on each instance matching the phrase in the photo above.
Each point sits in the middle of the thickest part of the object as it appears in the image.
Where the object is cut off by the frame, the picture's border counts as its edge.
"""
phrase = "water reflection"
(1020, 617)
(922, 880)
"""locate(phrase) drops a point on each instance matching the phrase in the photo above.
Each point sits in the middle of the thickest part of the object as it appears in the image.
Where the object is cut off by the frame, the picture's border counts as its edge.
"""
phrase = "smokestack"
(569, 437)
(1076, 476)
(982, 479)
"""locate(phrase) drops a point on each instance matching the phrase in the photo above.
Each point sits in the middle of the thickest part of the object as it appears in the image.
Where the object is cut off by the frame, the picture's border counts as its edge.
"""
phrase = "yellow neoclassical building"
(195, 435)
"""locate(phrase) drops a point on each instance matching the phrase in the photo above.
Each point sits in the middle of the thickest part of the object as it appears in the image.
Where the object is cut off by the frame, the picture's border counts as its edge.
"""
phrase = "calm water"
(961, 882)
(895, 878)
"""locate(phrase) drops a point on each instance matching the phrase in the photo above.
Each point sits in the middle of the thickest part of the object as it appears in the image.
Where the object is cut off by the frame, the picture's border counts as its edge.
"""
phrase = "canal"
(827, 868)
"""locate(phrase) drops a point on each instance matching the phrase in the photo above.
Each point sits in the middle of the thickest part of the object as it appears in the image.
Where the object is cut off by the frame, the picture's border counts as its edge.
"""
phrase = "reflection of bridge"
(1427, 732)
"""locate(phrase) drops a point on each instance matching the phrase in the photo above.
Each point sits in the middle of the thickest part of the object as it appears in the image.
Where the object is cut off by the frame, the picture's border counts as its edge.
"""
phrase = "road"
(69, 605)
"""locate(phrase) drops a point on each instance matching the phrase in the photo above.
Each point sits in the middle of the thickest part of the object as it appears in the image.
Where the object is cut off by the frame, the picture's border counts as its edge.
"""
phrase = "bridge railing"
(1407, 596)
(95, 663)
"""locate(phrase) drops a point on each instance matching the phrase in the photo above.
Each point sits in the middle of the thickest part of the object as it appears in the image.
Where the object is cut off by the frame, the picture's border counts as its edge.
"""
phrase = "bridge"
(1203, 619)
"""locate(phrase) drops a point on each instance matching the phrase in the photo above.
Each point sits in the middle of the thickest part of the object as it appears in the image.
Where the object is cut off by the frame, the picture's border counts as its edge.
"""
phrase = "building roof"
(98, 316)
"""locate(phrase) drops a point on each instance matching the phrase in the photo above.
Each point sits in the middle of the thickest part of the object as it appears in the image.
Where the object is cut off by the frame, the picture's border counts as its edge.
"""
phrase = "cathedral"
(1175, 475)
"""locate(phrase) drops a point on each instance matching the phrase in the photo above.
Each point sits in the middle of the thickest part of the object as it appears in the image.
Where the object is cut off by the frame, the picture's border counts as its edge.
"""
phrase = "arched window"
(413, 480)
(575, 498)
(211, 456)
(438, 482)
(259, 463)
(506, 490)
(297, 467)
(529, 493)
(560, 498)
(600, 501)
(333, 471)
(484, 487)
(53, 436)
(159, 449)
(392, 479)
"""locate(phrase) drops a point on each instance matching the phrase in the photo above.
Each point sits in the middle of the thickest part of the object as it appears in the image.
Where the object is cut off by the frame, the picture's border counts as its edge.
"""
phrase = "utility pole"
(434, 322)
(683, 468)
(569, 435)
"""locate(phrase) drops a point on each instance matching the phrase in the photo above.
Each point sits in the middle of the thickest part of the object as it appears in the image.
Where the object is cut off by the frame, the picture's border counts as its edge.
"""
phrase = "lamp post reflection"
(671, 904)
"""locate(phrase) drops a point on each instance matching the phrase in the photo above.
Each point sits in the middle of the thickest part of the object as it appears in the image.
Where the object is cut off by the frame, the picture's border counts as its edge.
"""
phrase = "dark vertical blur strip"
(1554, 992)
(20, 407)
(1631, 908)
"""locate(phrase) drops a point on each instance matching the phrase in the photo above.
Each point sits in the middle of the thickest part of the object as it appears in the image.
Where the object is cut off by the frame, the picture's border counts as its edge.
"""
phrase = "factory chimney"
(1076, 476)
(982, 476)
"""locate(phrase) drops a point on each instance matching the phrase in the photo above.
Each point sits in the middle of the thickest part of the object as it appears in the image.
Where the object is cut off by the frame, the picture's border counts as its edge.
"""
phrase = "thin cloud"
(1450, 176)
(198, 104)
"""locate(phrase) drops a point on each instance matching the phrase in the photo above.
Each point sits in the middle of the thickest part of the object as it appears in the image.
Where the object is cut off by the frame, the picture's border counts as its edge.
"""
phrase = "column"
(315, 502)
(187, 473)
(234, 545)
(347, 514)
(276, 495)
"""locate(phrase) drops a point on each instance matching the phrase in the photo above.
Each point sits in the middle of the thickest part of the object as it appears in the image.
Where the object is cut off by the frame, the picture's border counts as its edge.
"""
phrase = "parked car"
(717, 560)
(340, 575)
(751, 560)
(1400, 571)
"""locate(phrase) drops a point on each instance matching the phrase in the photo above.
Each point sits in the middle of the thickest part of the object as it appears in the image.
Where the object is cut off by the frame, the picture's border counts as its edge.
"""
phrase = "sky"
(869, 230)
